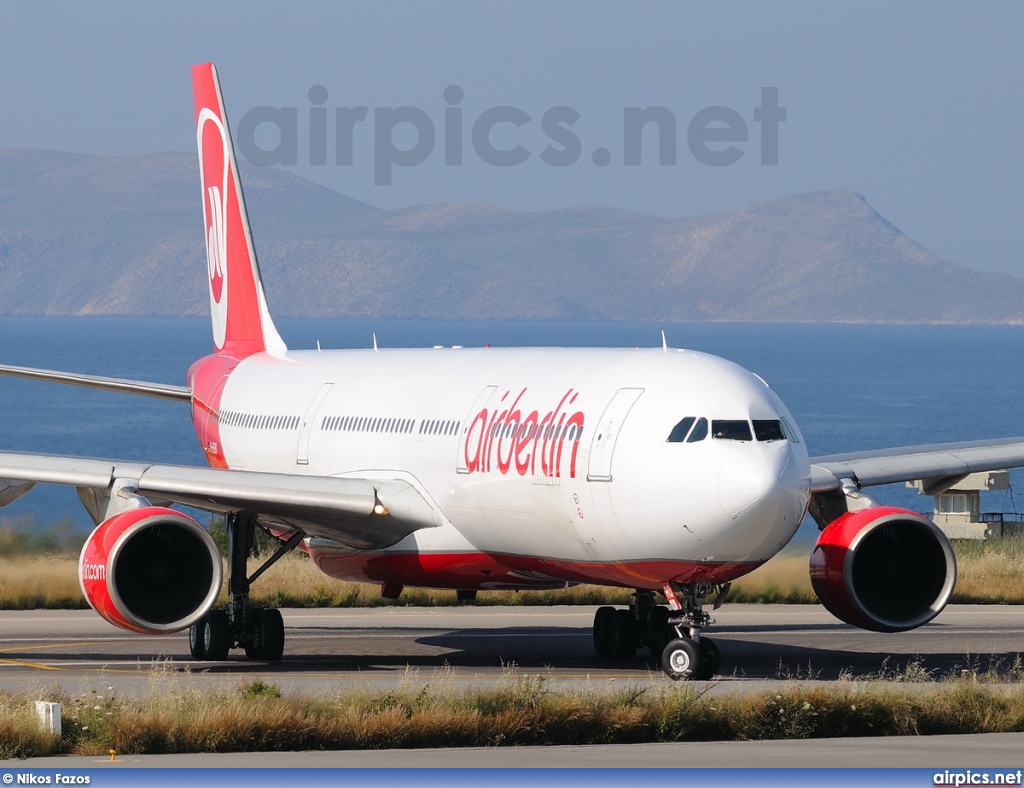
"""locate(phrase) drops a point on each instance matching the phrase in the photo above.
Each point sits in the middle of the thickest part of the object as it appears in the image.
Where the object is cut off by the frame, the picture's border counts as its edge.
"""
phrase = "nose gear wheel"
(671, 634)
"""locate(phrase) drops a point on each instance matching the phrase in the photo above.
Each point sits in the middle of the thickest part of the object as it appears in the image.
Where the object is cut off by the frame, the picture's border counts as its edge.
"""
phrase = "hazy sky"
(919, 106)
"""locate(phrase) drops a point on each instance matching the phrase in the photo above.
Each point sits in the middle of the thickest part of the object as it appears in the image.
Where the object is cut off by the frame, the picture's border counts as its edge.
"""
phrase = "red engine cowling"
(151, 570)
(883, 569)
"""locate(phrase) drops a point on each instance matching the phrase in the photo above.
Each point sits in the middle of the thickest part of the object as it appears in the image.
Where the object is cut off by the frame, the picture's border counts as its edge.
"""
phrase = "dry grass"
(20, 732)
(520, 711)
(783, 579)
(989, 573)
(28, 582)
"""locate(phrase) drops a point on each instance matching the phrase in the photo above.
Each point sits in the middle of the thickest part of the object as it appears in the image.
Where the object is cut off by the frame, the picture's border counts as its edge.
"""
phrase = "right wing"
(361, 513)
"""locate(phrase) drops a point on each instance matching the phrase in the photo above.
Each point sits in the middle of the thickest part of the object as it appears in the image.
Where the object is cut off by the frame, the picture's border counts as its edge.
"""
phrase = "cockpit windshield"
(731, 430)
(699, 431)
(691, 430)
(679, 431)
(769, 430)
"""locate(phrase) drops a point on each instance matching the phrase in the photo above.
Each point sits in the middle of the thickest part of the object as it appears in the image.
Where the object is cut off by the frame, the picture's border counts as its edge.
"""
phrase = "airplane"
(667, 471)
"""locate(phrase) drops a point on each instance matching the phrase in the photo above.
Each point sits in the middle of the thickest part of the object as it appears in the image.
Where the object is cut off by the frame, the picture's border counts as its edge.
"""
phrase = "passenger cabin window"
(679, 431)
(769, 430)
(731, 430)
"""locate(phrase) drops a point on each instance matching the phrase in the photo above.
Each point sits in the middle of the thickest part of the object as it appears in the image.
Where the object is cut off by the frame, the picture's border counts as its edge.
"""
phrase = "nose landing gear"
(671, 634)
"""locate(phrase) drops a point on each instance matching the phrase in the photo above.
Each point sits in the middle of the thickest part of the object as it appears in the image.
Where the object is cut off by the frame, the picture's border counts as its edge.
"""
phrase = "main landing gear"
(259, 632)
(671, 634)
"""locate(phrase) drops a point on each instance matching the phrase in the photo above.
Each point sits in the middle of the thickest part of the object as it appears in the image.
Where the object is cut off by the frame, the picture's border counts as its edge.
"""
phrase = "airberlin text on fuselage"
(503, 440)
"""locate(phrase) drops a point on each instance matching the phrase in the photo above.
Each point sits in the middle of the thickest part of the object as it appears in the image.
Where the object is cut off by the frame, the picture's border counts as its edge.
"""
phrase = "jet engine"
(151, 570)
(884, 569)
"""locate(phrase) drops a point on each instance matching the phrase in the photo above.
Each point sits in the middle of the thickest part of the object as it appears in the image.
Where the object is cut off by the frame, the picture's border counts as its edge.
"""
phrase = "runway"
(330, 650)
(334, 648)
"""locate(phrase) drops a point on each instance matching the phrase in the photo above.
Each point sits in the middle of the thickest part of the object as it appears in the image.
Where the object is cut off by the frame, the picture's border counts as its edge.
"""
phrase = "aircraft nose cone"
(743, 480)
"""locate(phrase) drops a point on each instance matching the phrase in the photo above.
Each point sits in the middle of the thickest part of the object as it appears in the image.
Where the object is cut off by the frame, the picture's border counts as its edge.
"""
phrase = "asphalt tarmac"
(760, 644)
(329, 650)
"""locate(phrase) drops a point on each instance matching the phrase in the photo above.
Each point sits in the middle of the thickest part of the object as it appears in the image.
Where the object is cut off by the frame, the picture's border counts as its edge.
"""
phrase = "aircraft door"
(602, 447)
(308, 420)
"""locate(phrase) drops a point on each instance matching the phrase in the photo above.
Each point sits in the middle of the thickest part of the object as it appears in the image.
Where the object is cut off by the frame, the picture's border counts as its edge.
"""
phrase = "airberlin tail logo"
(509, 438)
(214, 166)
(214, 237)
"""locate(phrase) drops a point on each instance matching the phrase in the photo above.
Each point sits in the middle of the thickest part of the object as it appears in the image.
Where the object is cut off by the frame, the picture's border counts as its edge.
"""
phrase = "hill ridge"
(83, 235)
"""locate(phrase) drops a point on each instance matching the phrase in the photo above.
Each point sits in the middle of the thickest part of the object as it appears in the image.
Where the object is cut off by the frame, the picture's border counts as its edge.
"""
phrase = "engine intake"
(151, 570)
(884, 569)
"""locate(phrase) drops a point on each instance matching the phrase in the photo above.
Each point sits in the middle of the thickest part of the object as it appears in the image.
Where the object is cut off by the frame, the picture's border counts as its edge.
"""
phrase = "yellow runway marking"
(51, 645)
(39, 666)
(35, 665)
(98, 669)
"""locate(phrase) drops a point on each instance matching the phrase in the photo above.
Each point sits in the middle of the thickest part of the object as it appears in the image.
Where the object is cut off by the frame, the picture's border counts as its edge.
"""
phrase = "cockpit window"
(769, 430)
(699, 431)
(679, 431)
(731, 430)
(791, 433)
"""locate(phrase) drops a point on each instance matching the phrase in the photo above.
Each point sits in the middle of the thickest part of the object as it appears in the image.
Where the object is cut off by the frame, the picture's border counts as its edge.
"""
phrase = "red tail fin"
(241, 321)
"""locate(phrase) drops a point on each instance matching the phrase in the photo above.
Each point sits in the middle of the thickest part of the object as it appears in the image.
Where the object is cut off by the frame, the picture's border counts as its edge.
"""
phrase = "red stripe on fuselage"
(481, 571)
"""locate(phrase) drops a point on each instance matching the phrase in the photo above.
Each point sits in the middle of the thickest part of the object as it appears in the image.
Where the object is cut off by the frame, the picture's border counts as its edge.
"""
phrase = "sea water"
(850, 387)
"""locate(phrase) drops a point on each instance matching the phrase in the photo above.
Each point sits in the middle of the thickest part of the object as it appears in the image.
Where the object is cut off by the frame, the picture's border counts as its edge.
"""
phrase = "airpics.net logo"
(407, 136)
(969, 777)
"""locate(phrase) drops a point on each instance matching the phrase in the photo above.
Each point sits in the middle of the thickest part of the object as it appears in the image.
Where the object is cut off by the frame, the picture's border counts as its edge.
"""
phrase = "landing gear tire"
(627, 635)
(660, 632)
(604, 631)
(681, 659)
(267, 637)
(711, 659)
(196, 644)
(216, 636)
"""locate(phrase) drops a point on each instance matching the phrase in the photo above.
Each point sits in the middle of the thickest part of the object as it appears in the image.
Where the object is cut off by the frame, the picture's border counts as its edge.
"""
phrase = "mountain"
(83, 235)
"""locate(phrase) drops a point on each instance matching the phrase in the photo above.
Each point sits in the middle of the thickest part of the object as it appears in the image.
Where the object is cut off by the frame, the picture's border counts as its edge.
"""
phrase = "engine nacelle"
(884, 569)
(151, 570)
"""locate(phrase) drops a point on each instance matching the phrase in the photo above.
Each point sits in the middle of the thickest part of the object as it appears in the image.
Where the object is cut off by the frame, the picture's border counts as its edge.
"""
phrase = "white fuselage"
(553, 463)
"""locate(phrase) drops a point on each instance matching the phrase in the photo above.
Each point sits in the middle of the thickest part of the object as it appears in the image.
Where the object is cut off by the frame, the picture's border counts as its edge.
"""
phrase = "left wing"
(159, 390)
(940, 465)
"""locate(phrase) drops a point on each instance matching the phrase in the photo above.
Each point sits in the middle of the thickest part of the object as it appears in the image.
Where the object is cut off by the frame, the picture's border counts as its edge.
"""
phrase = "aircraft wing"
(359, 513)
(158, 390)
(941, 465)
